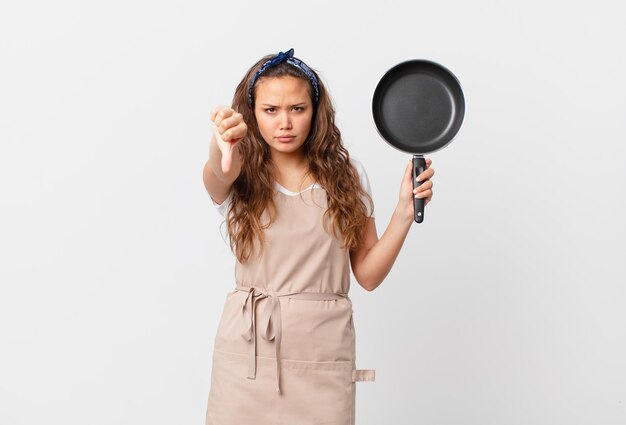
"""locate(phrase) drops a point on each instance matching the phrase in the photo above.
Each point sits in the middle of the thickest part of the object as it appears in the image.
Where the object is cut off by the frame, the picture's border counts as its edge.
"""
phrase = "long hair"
(328, 162)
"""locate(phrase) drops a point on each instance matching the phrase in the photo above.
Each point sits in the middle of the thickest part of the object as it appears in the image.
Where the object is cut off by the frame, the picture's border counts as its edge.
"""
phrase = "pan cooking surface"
(418, 106)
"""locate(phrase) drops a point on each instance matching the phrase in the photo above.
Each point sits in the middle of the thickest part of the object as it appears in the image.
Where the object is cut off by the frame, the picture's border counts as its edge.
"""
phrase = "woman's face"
(283, 111)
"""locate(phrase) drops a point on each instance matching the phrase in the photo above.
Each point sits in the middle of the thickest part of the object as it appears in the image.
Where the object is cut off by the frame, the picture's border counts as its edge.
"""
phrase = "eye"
(269, 110)
(298, 108)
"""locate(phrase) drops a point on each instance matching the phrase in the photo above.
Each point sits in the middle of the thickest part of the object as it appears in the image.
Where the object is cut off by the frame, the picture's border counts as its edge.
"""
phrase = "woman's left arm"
(372, 261)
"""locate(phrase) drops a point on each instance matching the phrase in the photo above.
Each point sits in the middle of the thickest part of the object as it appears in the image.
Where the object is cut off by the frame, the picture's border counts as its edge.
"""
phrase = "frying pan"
(418, 107)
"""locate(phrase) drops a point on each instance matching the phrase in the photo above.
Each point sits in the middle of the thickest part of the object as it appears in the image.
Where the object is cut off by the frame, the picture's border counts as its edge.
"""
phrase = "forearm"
(381, 257)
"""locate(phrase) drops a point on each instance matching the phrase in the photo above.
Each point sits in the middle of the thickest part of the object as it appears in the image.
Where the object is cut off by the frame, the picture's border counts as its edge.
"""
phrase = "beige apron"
(285, 347)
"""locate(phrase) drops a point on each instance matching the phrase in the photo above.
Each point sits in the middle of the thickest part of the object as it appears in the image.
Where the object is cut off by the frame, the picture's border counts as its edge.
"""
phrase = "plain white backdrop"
(506, 306)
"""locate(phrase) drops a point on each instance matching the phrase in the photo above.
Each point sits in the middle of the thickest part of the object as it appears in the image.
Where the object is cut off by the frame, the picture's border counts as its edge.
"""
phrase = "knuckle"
(232, 122)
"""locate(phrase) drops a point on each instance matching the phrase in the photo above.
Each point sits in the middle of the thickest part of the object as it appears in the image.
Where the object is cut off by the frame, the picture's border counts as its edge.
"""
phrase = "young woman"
(299, 214)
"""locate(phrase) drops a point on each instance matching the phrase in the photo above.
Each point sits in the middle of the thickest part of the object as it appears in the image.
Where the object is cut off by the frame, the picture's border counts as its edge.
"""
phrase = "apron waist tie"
(272, 326)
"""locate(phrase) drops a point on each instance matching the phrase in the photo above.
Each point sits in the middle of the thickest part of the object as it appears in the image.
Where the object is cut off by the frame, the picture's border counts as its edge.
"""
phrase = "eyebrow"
(274, 106)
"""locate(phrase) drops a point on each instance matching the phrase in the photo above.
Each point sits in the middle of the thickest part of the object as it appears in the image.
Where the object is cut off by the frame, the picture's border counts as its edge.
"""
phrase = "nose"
(285, 121)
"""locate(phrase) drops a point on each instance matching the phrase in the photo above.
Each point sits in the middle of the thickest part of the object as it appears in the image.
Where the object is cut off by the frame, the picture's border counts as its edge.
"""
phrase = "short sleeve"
(365, 183)
(224, 206)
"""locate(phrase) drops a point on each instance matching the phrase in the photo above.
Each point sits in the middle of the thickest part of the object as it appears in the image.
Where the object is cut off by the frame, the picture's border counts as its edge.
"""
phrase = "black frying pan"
(418, 107)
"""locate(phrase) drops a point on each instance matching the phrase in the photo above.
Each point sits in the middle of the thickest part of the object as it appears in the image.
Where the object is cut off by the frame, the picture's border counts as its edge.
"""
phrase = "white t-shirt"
(223, 207)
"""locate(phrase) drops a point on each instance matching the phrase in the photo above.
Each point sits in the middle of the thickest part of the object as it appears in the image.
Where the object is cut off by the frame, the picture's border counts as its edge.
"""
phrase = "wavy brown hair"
(328, 163)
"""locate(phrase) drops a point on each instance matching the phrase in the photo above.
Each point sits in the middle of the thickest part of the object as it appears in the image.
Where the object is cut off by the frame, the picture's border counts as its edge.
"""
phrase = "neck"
(289, 163)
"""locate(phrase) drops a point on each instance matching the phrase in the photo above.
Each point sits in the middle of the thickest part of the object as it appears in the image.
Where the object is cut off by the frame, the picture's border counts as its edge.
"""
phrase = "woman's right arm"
(224, 164)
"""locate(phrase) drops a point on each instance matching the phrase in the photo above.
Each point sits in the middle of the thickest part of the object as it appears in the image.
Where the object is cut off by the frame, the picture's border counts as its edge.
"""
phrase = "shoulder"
(360, 169)
(365, 184)
(356, 163)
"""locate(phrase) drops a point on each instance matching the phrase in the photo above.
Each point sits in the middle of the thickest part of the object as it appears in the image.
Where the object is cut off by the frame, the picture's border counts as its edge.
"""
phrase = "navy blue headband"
(285, 57)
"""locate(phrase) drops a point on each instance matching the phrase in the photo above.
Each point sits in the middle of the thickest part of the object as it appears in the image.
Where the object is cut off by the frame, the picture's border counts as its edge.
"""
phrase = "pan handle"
(419, 166)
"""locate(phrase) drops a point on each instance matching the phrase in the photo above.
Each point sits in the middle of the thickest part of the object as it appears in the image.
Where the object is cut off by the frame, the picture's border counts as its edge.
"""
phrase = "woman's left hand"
(424, 190)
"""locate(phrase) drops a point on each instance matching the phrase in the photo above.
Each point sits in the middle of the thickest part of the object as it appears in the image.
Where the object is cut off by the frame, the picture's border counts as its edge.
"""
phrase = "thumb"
(408, 174)
(227, 158)
(225, 148)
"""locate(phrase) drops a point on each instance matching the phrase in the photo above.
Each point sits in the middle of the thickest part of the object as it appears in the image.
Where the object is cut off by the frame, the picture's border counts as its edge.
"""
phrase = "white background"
(506, 306)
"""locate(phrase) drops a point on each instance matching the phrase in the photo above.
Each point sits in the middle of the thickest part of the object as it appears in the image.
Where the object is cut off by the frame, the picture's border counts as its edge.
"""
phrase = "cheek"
(265, 125)
(305, 121)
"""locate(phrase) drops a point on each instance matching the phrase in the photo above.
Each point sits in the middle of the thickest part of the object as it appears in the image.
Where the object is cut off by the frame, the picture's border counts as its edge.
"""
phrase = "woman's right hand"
(228, 130)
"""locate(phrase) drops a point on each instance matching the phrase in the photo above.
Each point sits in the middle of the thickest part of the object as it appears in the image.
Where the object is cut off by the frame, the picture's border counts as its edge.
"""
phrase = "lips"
(286, 138)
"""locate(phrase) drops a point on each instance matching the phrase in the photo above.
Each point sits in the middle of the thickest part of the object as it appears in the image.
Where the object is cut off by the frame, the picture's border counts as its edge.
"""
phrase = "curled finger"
(226, 123)
(215, 111)
(238, 132)
(222, 115)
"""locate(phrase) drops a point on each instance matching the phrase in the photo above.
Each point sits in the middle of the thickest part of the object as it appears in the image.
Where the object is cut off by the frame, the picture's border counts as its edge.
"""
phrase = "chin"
(286, 147)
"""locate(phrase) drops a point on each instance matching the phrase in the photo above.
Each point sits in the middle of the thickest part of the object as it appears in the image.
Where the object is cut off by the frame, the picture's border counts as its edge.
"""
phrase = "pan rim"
(418, 62)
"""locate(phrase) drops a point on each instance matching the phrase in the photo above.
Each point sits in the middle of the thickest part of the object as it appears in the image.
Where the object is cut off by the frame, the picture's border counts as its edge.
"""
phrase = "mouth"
(286, 138)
